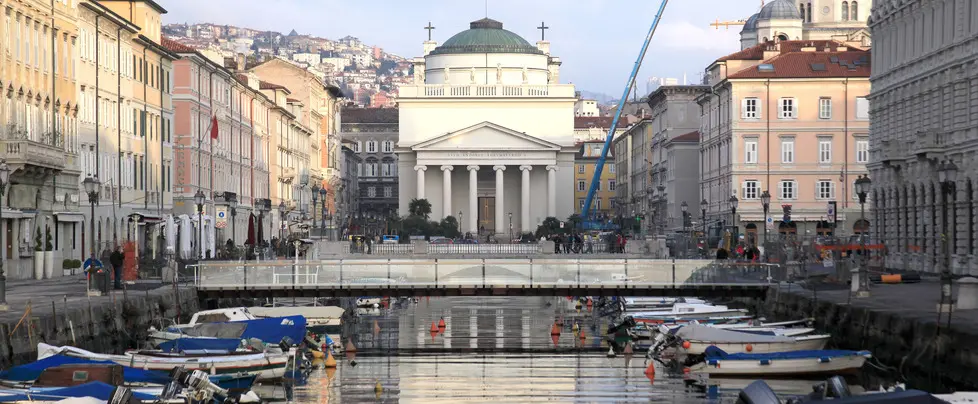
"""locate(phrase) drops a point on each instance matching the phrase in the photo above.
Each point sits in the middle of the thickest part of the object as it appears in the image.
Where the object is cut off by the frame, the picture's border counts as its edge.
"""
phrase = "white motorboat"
(649, 331)
(794, 363)
(658, 303)
(688, 312)
(266, 365)
(694, 339)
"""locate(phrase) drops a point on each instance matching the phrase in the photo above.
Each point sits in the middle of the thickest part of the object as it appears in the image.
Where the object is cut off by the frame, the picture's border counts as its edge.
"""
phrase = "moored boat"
(696, 339)
(794, 363)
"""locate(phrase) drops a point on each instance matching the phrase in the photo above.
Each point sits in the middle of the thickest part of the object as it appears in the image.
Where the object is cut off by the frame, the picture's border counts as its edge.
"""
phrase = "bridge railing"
(399, 272)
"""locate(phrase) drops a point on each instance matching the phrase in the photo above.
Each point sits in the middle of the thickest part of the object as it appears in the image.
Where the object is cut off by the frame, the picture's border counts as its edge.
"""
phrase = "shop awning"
(73, 217)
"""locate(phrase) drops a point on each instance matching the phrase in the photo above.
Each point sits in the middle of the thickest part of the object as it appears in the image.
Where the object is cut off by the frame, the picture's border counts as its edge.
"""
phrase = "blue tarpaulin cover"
(96, 390)
(713, 352)
(198, 344)
(269, 330)
(31, 371)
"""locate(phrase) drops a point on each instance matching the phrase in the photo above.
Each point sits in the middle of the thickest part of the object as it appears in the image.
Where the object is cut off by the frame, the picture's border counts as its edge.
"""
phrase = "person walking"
(117, 259)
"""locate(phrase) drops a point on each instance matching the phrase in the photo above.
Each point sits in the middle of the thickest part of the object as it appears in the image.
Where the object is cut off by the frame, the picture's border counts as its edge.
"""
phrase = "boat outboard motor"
(757, 392)
(178, 378)
(834, 387)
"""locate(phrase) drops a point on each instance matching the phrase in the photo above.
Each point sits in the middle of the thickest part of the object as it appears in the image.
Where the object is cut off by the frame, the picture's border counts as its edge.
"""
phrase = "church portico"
(488, 119)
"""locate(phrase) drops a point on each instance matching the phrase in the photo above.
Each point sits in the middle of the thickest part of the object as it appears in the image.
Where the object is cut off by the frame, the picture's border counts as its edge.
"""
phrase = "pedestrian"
(587, 243)
(568, 243)
(117, 259)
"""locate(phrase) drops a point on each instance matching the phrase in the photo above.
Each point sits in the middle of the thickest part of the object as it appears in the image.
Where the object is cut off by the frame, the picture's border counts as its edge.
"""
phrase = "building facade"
(348, 193)
(924, 103)
(790, 118)
(39, 131)
(625, 170)
(373, 134)
(585, 161)
(673, 157)
(487, 127)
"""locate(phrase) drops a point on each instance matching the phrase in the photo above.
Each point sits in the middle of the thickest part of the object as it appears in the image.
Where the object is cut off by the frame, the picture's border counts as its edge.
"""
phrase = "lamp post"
(684, 206)
(863, 184)
(315, 200)
(4, 178)
(322, 219)
(233, 204)
(947, 174)
(733, 218)
(281, 220)
(766, 204)
(91, 185)
(459, 223)
(510, 214)
(706, 240)
(199, 199)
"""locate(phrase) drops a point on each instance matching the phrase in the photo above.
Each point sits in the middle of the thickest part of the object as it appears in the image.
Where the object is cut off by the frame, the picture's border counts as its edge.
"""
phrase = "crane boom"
(599, 166)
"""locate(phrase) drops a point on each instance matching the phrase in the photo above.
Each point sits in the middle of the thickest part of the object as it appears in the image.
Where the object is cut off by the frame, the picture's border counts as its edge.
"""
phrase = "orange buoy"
(441, 324)
(330, 361)
(583, 337)
(686, 371)
(350, 348)
(434, 328)
(555, 338)
(555, 330)
(686, 344)
(750, 347)
(650, 372)
(434, 333)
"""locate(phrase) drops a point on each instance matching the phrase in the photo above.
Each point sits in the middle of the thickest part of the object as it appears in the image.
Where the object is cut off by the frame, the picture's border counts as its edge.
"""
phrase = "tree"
(420, 207)
(574, 220)
(48, 245)
(550, 226)
(449, 227)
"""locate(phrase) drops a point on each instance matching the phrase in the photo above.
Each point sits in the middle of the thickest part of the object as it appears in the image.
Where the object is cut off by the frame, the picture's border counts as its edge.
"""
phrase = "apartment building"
(372, 133)
(790, 118)
(585, 162)
(39, 134)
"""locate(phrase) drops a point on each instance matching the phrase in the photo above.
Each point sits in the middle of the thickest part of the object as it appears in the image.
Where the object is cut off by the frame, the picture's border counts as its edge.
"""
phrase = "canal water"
(494, 350)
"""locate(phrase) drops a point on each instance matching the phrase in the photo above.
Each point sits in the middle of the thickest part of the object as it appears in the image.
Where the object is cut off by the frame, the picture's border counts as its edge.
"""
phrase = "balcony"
(41, 154)
(487, 91)
(928, 144)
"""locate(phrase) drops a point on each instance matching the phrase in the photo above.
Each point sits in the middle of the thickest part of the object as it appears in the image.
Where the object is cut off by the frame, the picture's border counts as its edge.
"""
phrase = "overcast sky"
(597, 40)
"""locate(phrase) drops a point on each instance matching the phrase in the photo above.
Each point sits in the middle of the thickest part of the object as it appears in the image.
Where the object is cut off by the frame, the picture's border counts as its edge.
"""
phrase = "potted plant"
(67, 267)
(38, 255)
(48, 253)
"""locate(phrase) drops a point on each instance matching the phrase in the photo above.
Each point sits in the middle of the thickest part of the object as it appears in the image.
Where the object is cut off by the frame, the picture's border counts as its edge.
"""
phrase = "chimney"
(241, 61)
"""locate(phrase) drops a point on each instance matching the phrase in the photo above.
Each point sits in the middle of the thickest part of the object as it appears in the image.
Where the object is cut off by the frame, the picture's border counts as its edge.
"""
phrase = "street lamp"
(199, 199)
(706, 240)
(733, 219)
(863, 184)
(510, 226)
(766, 203)
(4, 178)
(322, 197)
(233, 204)
(91, 185)
(947, 174)
(281, 220)
(460, 222)
(684, 206)
(315, 200)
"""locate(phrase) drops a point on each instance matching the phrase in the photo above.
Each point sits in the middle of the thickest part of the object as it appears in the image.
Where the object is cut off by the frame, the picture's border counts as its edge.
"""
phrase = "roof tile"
(799, 65)
(176, 47)
(369, 115)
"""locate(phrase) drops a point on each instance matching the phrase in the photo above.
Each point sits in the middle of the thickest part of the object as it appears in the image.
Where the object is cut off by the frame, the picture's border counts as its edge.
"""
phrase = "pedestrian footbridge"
(483, 277)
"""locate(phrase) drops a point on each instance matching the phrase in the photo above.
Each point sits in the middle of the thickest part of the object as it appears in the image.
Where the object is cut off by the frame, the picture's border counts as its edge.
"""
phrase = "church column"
(525, 208)
(473, 199)
(551, 191)
(420, 170)
(500, 225)
(447, 188)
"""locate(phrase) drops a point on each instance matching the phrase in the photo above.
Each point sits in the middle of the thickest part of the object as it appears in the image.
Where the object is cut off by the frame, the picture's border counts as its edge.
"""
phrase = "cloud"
(688, 36)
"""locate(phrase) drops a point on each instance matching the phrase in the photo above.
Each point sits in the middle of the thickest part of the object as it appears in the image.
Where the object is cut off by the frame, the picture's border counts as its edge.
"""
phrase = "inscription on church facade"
(486, 155)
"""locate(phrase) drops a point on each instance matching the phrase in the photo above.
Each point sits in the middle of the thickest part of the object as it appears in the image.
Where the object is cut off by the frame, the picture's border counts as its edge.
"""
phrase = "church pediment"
(485, 136)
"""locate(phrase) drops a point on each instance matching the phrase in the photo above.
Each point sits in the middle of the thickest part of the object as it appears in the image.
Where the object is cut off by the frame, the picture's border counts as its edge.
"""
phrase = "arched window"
(782, 37)
(372, 146)
(845, 11)
(855, 11)
(809, 11)
(801, 9)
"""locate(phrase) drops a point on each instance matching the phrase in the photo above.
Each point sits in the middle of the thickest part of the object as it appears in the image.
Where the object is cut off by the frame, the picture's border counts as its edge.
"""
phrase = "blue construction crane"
(586, 214)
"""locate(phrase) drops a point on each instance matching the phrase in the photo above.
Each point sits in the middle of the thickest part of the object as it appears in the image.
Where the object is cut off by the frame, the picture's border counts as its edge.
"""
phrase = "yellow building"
(38, 134)
(584, 163)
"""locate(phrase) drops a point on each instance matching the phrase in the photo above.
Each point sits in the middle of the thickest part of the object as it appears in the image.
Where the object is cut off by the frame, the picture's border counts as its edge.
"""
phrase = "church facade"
(487, 132)
(811, 20)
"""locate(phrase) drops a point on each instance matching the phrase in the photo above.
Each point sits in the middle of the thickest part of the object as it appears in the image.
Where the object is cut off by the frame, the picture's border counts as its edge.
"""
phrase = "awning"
(146, 217)
(73, 217)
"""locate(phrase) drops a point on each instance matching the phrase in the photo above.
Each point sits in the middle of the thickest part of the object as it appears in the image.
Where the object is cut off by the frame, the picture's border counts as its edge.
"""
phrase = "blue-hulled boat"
(96, 390)
(794, 363)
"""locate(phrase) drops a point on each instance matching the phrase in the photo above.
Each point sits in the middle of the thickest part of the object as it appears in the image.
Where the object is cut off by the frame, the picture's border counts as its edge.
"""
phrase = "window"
(371, 192)
(580, 204)
(580, 185)
(787, 189)
(824, 189)
(359, 169)
(611, 184)
(751, 189)
(359, 147)
(388, 146)
(825, 151)
(788, 109)
(824, 108)
(854, 15)
(750, 108)
(387, 169)
(862, 151)
(862, 108)
(580, 168)
(388, 192)
(750, 151)
(611, 168)
(371, 146)
(597, 204)
(845, 11)
(787, 151)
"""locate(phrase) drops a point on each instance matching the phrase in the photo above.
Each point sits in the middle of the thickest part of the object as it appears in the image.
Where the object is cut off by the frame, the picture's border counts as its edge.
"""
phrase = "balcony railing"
(486, 91)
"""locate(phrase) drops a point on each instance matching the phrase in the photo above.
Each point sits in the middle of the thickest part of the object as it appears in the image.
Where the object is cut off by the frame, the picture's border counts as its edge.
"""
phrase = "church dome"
(486, 36)
(779, 10)
(750, 25)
